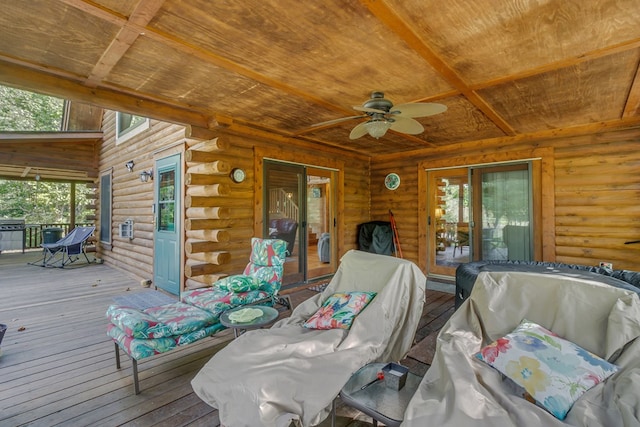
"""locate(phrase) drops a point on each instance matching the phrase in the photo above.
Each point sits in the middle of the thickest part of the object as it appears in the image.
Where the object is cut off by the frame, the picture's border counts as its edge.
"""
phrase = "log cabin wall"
(131, 198)
(595, 192)
(235, 211)
(220, 216)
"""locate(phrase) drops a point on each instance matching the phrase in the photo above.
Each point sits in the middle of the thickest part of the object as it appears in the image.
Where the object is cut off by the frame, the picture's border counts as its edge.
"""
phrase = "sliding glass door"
(479, 213)
(299, 208)
(502, 212)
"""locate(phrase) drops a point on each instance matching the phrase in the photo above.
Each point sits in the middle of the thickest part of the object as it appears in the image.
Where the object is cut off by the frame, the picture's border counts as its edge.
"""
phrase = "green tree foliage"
(28, 111)
(36, 201)
(41, 202)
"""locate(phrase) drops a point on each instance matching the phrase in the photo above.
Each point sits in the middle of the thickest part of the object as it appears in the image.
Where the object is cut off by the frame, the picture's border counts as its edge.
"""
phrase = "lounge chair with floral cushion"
(155, 330)
(369, 312)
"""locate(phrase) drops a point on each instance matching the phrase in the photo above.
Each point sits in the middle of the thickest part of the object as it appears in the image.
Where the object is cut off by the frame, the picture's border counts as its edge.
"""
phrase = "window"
(105, 207)
(128, 125)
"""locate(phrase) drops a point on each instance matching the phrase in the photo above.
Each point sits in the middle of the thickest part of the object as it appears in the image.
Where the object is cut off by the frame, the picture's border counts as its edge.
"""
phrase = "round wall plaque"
(238, 175)
(392, 181)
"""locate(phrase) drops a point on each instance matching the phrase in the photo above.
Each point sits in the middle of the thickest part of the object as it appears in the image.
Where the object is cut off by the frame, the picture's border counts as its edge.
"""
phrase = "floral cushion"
(140, 348)
(265, 275)
(217, 301)
(238, 283)
(158, 322)
(268, 252)
(553, 371)
(339, 310)
(131, 321)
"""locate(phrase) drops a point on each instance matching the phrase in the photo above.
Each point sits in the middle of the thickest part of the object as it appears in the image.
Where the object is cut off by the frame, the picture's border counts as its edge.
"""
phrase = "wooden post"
(72, 205)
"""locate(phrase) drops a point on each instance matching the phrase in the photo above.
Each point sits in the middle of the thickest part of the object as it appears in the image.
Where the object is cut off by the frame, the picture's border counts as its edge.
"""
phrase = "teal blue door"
(166, 254)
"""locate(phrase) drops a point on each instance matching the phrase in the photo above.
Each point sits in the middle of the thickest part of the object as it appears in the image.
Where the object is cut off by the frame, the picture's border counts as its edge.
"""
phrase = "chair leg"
(288, 303)
(117, 355)
(284, 300)
(134, 364)
(136, 384)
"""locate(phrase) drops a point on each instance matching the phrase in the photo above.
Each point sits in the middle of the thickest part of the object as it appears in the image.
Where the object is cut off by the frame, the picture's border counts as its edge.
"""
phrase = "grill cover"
(11, 234)
(376, 237)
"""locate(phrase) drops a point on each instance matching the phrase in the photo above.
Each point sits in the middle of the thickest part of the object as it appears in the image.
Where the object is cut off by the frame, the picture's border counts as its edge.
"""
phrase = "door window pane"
(166, 201)
(505, 214)
(452, 218)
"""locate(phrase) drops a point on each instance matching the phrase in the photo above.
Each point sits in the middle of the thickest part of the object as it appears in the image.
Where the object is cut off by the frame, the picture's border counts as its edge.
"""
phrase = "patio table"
(380, 402)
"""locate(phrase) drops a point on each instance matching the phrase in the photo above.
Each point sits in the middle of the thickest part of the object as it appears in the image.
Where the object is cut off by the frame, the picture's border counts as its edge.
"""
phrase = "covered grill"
(12, 234)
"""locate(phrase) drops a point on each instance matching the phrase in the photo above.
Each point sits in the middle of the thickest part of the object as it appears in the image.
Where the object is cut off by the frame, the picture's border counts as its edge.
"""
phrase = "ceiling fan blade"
(406, 125)
(358, 131)
(342, 119)
(369, 110)
(418, 109)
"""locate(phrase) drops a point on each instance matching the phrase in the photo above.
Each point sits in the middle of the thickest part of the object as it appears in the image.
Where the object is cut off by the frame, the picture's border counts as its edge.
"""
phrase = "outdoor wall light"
(145, 175)
(129, 165)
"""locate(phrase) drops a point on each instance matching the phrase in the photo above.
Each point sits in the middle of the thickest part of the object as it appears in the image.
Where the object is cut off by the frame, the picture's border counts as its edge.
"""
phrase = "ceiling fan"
(382, 115)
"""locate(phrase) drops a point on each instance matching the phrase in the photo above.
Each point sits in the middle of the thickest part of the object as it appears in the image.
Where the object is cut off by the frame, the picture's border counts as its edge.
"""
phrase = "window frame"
(131, 131)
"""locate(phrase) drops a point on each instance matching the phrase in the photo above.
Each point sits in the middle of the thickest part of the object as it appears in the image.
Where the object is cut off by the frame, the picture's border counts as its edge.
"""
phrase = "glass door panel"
(320, 223)
(502, 212)
(285, 195)
(448, 222)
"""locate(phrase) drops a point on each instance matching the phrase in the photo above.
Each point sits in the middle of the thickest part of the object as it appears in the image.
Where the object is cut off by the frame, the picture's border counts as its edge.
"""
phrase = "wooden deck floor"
(58, 365)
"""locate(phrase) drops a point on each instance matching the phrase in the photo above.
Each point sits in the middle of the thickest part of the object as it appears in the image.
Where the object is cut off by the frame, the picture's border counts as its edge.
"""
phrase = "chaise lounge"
(295, 369)
(142, 333)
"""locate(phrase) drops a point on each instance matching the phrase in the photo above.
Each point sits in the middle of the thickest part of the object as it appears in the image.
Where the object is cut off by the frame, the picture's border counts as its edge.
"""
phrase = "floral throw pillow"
(554, 372)
(238, 283)
(339, 310)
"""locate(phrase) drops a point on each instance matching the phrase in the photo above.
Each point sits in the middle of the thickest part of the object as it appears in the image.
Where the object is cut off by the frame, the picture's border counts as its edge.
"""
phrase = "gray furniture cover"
(459, 390)
(268, 377)
(467, 273)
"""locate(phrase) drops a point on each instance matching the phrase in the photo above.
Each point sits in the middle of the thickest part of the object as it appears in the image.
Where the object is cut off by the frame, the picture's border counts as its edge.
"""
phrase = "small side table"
(269, 315)
(380, 402)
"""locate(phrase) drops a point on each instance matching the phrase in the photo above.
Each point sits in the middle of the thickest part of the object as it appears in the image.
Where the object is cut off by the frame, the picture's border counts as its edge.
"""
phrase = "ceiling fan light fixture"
(377, 128)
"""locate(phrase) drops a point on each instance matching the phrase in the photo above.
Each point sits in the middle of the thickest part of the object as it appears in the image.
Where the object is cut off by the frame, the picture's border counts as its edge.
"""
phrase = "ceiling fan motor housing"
(378, 102)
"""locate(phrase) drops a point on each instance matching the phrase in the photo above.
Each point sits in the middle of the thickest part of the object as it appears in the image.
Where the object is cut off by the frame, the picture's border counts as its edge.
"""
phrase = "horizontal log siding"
(598, 200)
(356, 207)
(402, 202)
(238, 221)
(596, 191)
(133, 199)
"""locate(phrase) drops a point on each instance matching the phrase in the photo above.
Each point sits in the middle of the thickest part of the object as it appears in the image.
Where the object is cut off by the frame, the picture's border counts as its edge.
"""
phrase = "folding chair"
(66, 250)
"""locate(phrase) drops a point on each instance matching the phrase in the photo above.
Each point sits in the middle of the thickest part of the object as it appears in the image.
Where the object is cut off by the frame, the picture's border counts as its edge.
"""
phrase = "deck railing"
(33, 233)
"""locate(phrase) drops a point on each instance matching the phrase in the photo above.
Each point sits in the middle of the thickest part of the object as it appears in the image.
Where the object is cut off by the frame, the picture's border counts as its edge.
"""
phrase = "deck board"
(60, 370)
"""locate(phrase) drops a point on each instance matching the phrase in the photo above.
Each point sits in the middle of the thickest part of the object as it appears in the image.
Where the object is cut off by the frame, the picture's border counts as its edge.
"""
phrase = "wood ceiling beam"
(632, 106)
(50, 137)
(567, 132)
(27, 78)
(553, 66)
(97, 11)
(185, 47)
(143, 14)
(388, 16)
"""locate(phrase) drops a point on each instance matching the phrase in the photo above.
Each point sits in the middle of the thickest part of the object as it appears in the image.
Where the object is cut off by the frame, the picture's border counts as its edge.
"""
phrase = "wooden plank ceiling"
(503, 68)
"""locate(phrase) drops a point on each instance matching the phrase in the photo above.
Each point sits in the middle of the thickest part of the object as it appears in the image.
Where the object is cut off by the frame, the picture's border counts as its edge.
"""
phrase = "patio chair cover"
(459, 390)
(268, 377)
